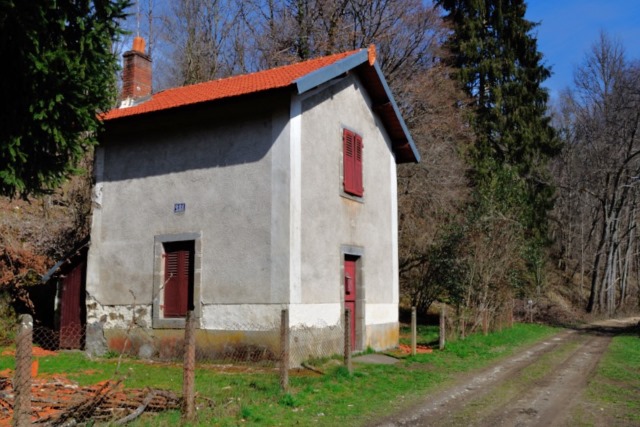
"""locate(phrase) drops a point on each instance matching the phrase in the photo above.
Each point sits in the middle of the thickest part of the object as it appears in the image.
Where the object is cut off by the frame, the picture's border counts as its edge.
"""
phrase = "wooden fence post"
(189, 369)
(443, 331)
(284, 350)
(22, 375)
(485, 321)
(347, 340)
(513, 307)
(414, 331)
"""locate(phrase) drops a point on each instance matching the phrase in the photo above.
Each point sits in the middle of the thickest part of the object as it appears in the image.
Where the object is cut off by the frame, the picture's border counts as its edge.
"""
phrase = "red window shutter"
(359, 187)
(178, 278)
(352, 163)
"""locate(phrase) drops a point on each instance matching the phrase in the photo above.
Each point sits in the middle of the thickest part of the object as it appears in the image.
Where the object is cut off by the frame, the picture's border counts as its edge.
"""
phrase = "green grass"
(85, 371)
(613, 390)
(337, 398)
(476, 350)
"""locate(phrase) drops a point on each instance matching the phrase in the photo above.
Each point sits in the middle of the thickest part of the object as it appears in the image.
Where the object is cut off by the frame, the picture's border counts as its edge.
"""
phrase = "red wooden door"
(178, 278)
(71, 316)
(350, 282)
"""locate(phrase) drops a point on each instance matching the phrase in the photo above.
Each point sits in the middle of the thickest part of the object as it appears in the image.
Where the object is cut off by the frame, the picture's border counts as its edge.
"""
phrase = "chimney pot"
(138, 44)
(372, 54)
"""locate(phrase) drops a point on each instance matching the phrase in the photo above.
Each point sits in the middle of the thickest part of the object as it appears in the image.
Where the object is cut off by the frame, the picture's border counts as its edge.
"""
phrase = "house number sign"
(179, 208)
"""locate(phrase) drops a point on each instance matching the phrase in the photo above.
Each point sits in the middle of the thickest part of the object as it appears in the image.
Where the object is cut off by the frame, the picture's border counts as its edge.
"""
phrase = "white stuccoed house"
(240, 197)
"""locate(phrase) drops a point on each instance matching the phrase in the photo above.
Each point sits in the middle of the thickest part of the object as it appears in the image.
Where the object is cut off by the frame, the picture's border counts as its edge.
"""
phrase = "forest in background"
(515, 199)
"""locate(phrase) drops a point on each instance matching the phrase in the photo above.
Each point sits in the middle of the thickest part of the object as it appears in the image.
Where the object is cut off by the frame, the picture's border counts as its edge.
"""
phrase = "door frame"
(158, 320)
(359, 319)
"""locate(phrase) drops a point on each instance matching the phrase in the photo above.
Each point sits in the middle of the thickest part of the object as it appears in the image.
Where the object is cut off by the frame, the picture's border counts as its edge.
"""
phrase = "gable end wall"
(332, 220)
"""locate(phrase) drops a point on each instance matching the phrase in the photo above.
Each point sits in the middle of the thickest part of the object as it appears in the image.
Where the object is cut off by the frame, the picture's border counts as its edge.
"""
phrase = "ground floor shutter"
(178, 278)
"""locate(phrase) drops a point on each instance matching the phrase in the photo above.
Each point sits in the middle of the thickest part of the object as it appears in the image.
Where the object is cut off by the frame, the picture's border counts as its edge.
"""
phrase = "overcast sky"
(568, 28)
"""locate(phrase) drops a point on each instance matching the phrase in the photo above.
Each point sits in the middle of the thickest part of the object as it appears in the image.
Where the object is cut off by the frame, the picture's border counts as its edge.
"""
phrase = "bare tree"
(432, 195)
(204, 36)
(406, 32)
(600, 173)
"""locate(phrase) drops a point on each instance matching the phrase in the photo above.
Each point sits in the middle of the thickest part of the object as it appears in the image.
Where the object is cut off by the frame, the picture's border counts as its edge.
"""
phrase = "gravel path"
(536, 387)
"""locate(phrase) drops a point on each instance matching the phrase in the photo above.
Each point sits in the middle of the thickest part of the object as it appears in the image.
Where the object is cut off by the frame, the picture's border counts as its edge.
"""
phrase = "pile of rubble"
(59, 401)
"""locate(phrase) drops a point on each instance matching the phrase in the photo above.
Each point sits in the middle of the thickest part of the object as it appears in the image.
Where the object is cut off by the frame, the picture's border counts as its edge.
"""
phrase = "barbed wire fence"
(275, 349)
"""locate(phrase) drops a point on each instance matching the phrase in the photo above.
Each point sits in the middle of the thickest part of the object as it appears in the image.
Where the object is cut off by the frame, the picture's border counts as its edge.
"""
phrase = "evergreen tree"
(59, 72)
(499, 66)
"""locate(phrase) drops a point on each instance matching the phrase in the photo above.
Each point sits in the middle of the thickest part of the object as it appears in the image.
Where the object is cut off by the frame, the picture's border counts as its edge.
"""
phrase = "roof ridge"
(253, 73)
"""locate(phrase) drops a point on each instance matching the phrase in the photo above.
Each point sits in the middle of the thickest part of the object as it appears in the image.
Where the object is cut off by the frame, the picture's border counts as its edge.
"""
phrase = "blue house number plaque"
(179, 208)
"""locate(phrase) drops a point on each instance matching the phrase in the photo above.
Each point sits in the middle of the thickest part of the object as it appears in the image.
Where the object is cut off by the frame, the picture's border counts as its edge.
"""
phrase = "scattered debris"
(37, 352)
(59, 401)
(420, 349)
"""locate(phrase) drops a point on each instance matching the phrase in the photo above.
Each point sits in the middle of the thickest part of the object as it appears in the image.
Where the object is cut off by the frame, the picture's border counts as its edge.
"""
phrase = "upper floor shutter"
(352, 163)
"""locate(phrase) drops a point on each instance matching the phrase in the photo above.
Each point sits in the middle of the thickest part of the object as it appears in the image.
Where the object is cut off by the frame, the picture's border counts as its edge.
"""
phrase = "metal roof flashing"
(401, 121)
(322, 75)
(351, 62)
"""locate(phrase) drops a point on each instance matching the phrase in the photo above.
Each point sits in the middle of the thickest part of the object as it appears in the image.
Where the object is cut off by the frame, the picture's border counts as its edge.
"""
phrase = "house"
(240, 197)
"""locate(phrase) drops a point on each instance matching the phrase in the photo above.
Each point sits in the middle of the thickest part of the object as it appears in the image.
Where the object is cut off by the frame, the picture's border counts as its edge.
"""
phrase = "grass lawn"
(336, 398)
(615, 387)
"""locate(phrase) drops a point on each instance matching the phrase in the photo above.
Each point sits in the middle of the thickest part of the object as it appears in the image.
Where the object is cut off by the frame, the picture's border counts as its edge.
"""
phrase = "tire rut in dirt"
(443, 405)
(548, 401)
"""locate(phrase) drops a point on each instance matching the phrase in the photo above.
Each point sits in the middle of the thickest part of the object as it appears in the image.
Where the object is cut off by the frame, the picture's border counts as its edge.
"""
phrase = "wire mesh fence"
(28, 397)
(185, 360)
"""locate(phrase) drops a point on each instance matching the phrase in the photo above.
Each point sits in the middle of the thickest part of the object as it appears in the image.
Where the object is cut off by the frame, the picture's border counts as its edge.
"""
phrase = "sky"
(568, 29)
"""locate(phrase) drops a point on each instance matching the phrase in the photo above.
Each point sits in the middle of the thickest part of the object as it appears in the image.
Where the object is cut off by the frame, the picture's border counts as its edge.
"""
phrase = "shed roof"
(302, 77)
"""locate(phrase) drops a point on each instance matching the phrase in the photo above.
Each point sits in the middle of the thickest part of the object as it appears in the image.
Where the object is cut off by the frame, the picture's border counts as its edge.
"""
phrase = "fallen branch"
(311, 368)
(84, 408)
(135, 414)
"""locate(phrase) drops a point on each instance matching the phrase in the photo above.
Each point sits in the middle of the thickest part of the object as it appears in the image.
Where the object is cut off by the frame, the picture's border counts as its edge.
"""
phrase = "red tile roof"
(226, 88)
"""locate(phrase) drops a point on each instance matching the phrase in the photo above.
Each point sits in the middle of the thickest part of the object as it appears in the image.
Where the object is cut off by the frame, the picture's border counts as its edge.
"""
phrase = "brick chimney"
(136, 75)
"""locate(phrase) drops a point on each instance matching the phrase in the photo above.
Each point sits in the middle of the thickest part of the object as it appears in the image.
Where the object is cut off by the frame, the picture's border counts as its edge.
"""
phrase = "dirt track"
(537, 387)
